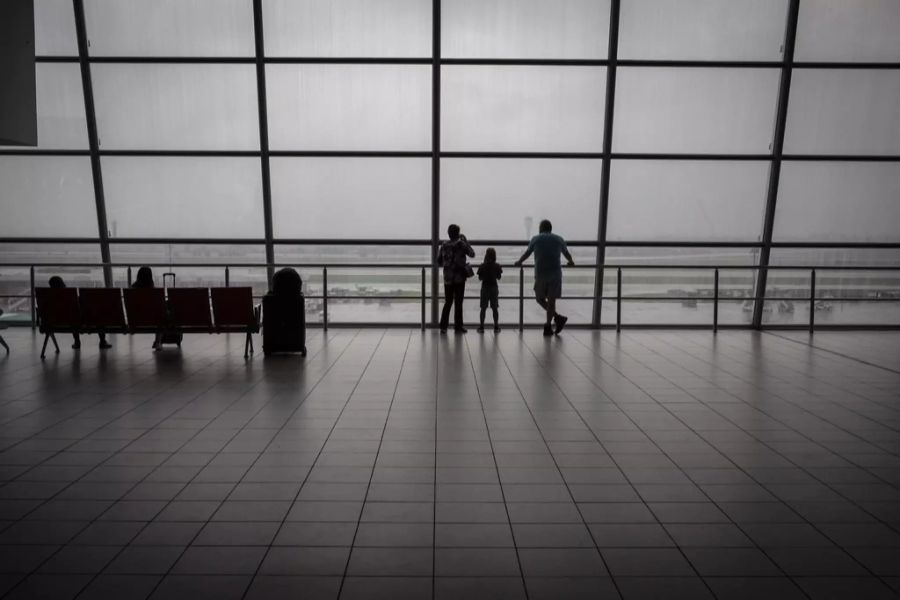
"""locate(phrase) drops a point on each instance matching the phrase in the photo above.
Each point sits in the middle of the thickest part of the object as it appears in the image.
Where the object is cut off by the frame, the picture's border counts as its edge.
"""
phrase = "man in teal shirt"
(547, 247)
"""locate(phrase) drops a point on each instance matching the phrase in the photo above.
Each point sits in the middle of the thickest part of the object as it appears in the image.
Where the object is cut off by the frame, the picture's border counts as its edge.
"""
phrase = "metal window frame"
(776, 157)
(784, 92)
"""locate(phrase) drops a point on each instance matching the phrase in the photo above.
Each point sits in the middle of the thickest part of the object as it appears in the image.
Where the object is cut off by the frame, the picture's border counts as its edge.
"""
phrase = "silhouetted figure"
(56, 282)
(489, 273)
(144, 278)
(452, 257)
(547, 246)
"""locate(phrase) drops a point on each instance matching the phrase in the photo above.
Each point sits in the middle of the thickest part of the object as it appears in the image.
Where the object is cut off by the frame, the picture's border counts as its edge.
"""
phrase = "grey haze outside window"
(170, 27)
(522, 108)
(54, 28)
(702, 29)
(842, 111)
(183, 197)
(686, 110)
(574, 29)
(349, 107)
(687, 200)
(331, 197)
(852, 202)
(176, 106)
(507, 198)
(857, 31)
(48, 196)
(348, 28)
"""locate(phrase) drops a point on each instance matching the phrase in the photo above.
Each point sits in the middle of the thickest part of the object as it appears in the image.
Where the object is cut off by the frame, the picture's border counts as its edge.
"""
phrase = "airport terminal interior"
(717, 415)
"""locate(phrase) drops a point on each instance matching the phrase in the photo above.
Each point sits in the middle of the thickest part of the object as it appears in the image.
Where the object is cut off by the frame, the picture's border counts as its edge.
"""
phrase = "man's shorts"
(489, 297)
(551, 289)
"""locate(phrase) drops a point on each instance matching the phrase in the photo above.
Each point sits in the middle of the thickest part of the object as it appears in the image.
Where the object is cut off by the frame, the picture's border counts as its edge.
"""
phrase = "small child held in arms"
(489, 272)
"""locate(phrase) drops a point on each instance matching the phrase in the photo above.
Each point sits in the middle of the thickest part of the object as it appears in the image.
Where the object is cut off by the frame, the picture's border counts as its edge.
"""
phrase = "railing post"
(812, 300)
(129, 276)
(521, 299)
(325, 298)
(423, 298)
(33, 311)
(619, 299)
(716, 301)
(227, 277)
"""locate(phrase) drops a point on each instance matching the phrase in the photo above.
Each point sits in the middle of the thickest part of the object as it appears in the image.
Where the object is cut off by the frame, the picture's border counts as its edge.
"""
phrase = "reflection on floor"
(401, 464)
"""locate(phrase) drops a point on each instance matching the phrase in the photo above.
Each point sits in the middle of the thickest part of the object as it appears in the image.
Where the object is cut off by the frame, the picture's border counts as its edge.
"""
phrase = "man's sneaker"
(460, 330)
(481, 329)
(496, 329)
(560, 323)
(104, 345)
(548, 330)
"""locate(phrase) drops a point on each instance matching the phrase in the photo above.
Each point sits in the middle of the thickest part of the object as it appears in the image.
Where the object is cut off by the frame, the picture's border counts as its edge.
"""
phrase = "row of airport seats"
(156, 311)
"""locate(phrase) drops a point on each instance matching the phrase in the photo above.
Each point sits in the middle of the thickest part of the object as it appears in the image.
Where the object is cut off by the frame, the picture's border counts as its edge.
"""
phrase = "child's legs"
(495, 305)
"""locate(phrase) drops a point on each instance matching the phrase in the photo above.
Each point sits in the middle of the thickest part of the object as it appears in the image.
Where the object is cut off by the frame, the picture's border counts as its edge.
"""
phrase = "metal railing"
(709, 294)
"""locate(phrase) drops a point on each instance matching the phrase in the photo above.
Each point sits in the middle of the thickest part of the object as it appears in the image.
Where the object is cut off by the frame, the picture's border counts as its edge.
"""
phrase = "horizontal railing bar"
(308, 153)
(427, 243)
(330, 265)
(428, 60)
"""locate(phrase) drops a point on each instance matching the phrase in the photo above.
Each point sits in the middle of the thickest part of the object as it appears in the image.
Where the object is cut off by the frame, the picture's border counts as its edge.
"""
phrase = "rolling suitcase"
(284, 314)
(169, 337)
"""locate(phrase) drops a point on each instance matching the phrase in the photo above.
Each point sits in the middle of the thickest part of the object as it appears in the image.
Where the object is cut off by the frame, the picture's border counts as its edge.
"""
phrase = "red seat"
(233, 310)
(146, 309)
(58, 309)
(58, 312)
(189, 308)
(101, 309)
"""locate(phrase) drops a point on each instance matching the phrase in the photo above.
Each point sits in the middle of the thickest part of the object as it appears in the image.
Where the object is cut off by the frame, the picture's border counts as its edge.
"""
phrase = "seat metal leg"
(3, 343)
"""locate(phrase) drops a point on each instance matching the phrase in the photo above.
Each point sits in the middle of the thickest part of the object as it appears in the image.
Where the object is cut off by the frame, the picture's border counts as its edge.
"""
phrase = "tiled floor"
(400, 464)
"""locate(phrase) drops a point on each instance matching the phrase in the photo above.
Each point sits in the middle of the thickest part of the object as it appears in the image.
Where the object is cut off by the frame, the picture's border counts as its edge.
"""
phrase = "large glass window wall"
(665, 138)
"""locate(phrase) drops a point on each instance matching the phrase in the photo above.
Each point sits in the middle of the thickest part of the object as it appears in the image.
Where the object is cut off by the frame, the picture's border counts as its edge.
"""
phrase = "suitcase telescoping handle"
(165, 279)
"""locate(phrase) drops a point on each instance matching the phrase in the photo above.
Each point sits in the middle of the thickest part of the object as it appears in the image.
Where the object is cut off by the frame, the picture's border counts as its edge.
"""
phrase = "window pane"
(384, 28)
(842, 296)
(60, 107)
(697, 285)
(170, 27)
(838, 202)
(507, 198)
(837, 30)
(176, 106)
(351, 197)
(183, 197)
(525, 28)
(533, 108)
(843, 112)
(47, 197)
(695, 110)
(49, 253)
(54, 28)
(686, 200)
(371, 284)
(702, 29)
(349, 107)
(166, 257)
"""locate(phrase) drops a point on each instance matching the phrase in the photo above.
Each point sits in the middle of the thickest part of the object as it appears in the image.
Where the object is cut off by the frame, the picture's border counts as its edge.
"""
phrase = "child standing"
(489, 272)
